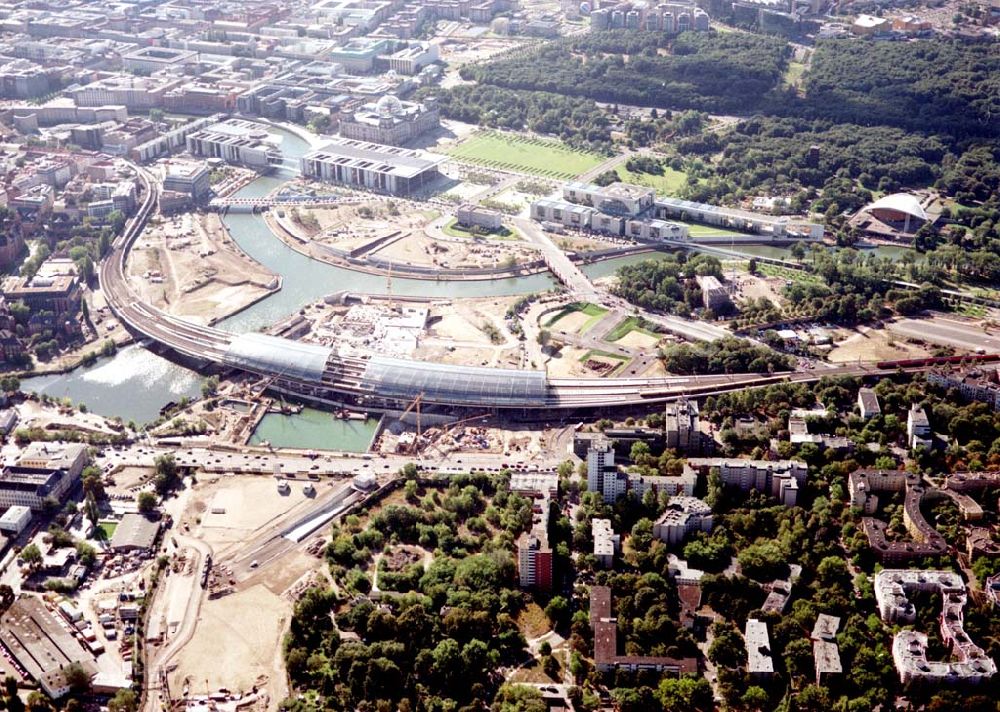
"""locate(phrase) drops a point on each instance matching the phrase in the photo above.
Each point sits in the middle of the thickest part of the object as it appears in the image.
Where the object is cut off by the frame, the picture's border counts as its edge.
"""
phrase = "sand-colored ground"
(872, 344)
(249, 503)
(636, 339)
(237, 644)
(572, 323)
(33, 414)
(189, 266)
(566, 363)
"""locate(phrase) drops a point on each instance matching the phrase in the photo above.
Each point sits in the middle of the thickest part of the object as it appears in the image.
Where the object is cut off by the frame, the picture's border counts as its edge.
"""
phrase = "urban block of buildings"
(669, 18)
(42, 646)
(973, 384)
(44, 471)
(636, 212)
(371, 166)
(606, 657)
(969, 663)
(779, 478)
(237, 141)
(534, 555)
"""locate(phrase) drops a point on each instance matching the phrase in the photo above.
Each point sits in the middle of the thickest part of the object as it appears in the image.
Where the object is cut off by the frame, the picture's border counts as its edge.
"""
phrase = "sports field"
(523, 154)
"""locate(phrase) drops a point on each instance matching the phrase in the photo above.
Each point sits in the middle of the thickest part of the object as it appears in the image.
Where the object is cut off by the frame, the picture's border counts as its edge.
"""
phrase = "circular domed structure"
(388, 106)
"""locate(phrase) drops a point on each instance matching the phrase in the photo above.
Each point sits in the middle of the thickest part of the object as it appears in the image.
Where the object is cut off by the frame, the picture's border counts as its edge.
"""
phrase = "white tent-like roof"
(900, 202)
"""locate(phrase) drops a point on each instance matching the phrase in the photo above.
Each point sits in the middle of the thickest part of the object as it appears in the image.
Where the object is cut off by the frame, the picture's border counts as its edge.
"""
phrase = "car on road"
(254, 564)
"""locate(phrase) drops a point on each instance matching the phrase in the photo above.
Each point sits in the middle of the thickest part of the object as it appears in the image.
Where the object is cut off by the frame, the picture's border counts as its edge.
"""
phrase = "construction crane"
(414, 404)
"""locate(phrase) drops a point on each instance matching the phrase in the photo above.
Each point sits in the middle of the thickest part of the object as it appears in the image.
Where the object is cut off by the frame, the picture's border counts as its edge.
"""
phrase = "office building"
(469, 215)
(683, 516)
(189, 178)
(146, 60)
(15, 520)
(390, 121)
(59, 295)
(370, 166)
(237, 141)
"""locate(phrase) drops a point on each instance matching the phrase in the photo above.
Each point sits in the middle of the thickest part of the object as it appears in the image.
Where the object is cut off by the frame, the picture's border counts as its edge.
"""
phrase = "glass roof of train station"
(272, 355)
(398, 378)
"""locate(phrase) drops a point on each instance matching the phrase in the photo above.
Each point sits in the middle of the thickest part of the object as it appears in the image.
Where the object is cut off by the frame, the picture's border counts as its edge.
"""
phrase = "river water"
(136, 383)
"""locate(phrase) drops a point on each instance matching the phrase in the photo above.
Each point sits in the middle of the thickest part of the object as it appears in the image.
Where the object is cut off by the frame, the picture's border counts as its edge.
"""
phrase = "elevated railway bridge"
(319, 373)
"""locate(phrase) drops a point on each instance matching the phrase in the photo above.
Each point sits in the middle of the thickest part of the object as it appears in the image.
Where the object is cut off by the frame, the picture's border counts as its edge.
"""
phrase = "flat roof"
(403, 162)
(471, 385)
(135, 531)
(269, 354)
(37, 640)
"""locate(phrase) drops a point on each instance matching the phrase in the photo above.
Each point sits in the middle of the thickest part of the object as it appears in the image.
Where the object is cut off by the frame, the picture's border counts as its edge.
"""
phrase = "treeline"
(769, 155)
(728, 355)
(720, 73)
(933, 86)
(578, 122)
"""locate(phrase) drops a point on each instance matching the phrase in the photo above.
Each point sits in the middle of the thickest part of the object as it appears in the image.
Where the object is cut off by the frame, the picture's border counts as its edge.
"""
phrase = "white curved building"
(898, 208)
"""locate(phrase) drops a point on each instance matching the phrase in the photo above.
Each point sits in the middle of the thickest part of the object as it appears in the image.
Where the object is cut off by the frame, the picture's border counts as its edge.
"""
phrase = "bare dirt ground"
(458, 334)
(237, 645)
(752, 287)
(638, 340)
(871, 344)
(189, 266)
(566, 363)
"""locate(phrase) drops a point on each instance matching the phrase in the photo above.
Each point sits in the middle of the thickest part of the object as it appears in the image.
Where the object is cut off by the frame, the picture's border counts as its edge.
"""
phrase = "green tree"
(518, 698)
(31, 555)
(147, 502)
(124, 701)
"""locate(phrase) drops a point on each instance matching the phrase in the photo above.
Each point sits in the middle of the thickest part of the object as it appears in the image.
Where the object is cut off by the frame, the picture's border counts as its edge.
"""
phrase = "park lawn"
(696, 230)
(592, 311)
(667, 184)
(793, 74)
(523, 154)
(107, 530)
(626, 326)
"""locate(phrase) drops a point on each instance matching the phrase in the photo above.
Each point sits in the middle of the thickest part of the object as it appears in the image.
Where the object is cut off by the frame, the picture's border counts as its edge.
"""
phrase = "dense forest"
(578, 122)
(933, 86)
(720, 73)
(771, 156)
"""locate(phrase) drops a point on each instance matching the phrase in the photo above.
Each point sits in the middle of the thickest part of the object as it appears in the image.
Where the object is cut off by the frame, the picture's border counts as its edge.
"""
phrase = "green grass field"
(107, 530)
(668, 184)
(627, 326)
(551, 159)
(593, 311)
(453, 229)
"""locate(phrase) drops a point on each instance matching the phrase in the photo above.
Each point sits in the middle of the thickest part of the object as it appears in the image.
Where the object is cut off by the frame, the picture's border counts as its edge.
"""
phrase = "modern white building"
(371, 166)
(15, 520)
(602, 473)
(237, 141)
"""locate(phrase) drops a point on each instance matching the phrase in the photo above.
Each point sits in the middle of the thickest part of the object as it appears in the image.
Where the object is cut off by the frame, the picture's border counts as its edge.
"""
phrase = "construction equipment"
(448, 427)
(414, 404)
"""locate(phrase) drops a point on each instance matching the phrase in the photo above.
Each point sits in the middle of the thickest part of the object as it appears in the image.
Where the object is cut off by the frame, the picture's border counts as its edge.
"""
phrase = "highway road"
(948, 331)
